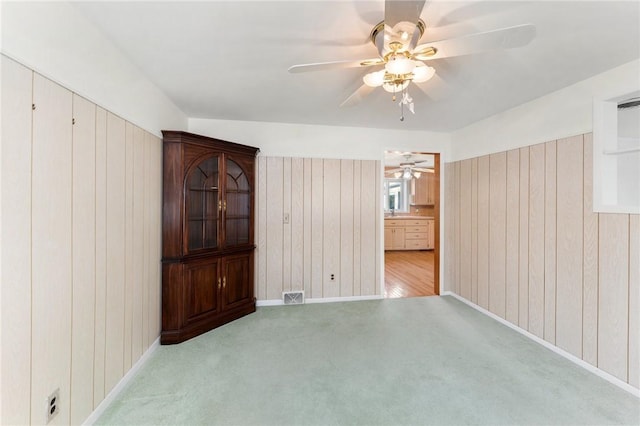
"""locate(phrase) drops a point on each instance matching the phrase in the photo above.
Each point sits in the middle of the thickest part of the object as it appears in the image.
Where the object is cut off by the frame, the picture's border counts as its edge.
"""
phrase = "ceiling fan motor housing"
(377, 38)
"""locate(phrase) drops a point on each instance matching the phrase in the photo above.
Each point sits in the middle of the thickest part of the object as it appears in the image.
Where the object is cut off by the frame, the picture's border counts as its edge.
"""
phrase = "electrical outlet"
(333, 277)
(53, 405)
(285, 218)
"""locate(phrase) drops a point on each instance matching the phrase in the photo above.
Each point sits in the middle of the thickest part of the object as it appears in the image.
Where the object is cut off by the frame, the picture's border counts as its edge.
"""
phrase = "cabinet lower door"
(201, 285)
(398, 239)
(237, 280)
(388, 238)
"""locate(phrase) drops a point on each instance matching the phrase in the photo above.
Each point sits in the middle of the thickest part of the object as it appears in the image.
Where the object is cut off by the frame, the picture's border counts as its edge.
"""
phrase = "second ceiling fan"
(409, 168)
(402, 58)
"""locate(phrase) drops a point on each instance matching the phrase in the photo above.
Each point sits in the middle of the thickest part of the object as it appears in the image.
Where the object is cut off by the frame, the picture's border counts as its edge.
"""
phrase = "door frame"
(436, 216)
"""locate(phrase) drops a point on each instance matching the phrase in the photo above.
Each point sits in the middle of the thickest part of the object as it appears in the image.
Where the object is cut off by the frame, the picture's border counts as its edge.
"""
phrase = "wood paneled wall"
(80, 221)
(333, 214)
(523, 242)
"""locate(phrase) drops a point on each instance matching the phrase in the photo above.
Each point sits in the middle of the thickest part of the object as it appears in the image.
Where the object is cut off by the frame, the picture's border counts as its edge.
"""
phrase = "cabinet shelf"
(621, 151)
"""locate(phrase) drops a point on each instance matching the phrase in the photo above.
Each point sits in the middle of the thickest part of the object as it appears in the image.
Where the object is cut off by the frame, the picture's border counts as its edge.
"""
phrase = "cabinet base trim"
(171, 337)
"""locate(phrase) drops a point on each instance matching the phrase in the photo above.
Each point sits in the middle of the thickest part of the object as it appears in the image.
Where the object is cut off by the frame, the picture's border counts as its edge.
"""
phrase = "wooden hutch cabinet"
(207, 234)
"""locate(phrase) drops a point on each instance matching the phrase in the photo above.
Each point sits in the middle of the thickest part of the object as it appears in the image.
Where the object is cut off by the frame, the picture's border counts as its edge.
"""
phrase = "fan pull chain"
(402, 106)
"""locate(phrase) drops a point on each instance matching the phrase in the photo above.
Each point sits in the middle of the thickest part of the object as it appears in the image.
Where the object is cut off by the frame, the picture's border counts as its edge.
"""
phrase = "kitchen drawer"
(416, 244)
(415, 235)
(397, 222)
(416, 229)
(416, 222)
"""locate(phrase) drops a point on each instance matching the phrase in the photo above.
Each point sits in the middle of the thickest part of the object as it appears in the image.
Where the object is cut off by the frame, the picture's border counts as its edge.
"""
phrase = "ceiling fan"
(402, 59)
(408, 169)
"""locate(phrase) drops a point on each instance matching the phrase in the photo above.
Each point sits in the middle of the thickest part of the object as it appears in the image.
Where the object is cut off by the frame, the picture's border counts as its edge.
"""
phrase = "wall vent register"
(293, 297)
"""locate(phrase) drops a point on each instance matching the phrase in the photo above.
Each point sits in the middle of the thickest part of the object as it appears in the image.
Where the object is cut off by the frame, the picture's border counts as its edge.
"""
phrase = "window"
(396, 195)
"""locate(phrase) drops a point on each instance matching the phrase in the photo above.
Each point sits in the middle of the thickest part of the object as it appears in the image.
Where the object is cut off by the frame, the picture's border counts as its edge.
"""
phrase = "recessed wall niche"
(616, 154)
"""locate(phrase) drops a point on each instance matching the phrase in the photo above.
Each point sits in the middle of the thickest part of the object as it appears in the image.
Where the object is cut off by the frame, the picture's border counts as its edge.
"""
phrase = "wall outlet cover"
(53, 405)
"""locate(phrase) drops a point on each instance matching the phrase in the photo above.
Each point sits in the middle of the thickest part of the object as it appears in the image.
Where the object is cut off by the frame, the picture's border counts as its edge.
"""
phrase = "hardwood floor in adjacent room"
(408, 273)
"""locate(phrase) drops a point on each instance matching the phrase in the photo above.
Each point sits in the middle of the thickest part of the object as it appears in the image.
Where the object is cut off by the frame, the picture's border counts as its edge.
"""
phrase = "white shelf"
(621, 151)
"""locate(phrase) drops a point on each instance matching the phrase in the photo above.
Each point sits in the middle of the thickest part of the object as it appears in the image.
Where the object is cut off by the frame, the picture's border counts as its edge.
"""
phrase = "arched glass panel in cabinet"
(202, 205)
(238, 209)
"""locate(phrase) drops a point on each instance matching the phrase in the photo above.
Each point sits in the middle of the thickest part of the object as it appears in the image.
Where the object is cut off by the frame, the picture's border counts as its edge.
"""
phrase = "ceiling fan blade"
(420, 169)
(392, 171)
(324, 66)
(357, 96)
(400, 21)
(437, 88)
(503, 38)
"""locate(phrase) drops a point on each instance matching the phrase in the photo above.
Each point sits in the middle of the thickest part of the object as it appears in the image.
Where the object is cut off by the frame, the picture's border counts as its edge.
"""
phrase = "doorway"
(411, 186)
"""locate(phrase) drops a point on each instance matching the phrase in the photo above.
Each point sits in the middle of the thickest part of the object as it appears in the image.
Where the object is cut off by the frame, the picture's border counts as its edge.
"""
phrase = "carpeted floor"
(417, 361)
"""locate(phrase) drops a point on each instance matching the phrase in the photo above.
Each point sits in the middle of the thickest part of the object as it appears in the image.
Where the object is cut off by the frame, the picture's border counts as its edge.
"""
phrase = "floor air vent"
(293, 297)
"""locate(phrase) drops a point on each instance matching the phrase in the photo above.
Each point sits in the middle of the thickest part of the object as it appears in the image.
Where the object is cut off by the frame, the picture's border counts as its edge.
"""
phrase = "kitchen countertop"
(408, 217)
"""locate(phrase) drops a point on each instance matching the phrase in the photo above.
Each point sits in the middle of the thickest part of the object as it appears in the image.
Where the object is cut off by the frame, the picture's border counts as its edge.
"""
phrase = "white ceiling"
(229, 60)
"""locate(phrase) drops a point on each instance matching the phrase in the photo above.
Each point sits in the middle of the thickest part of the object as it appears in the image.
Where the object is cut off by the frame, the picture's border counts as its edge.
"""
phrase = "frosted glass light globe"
(423, 73)
(399, 64)
(374, 79)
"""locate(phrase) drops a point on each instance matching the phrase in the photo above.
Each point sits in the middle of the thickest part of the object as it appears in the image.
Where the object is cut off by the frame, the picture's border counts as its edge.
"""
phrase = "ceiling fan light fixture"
(397, 175)
(417, 174)
(396, 42)
(407, 173)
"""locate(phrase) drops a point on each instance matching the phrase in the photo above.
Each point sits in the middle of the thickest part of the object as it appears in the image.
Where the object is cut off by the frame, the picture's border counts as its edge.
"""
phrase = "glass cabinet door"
(202, 205)
(238, 207)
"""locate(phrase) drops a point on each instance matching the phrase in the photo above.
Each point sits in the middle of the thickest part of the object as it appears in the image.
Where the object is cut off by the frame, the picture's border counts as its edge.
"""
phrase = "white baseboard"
(93, 417)
(278, 302)
(270, 302)
(595, 370)
(343, 299)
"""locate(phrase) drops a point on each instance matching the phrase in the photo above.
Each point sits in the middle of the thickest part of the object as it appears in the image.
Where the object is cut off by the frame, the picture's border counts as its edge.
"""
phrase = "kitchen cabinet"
(423, 190)
(207, 234)
(393, 237)
(409, 234)
(416, 234)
